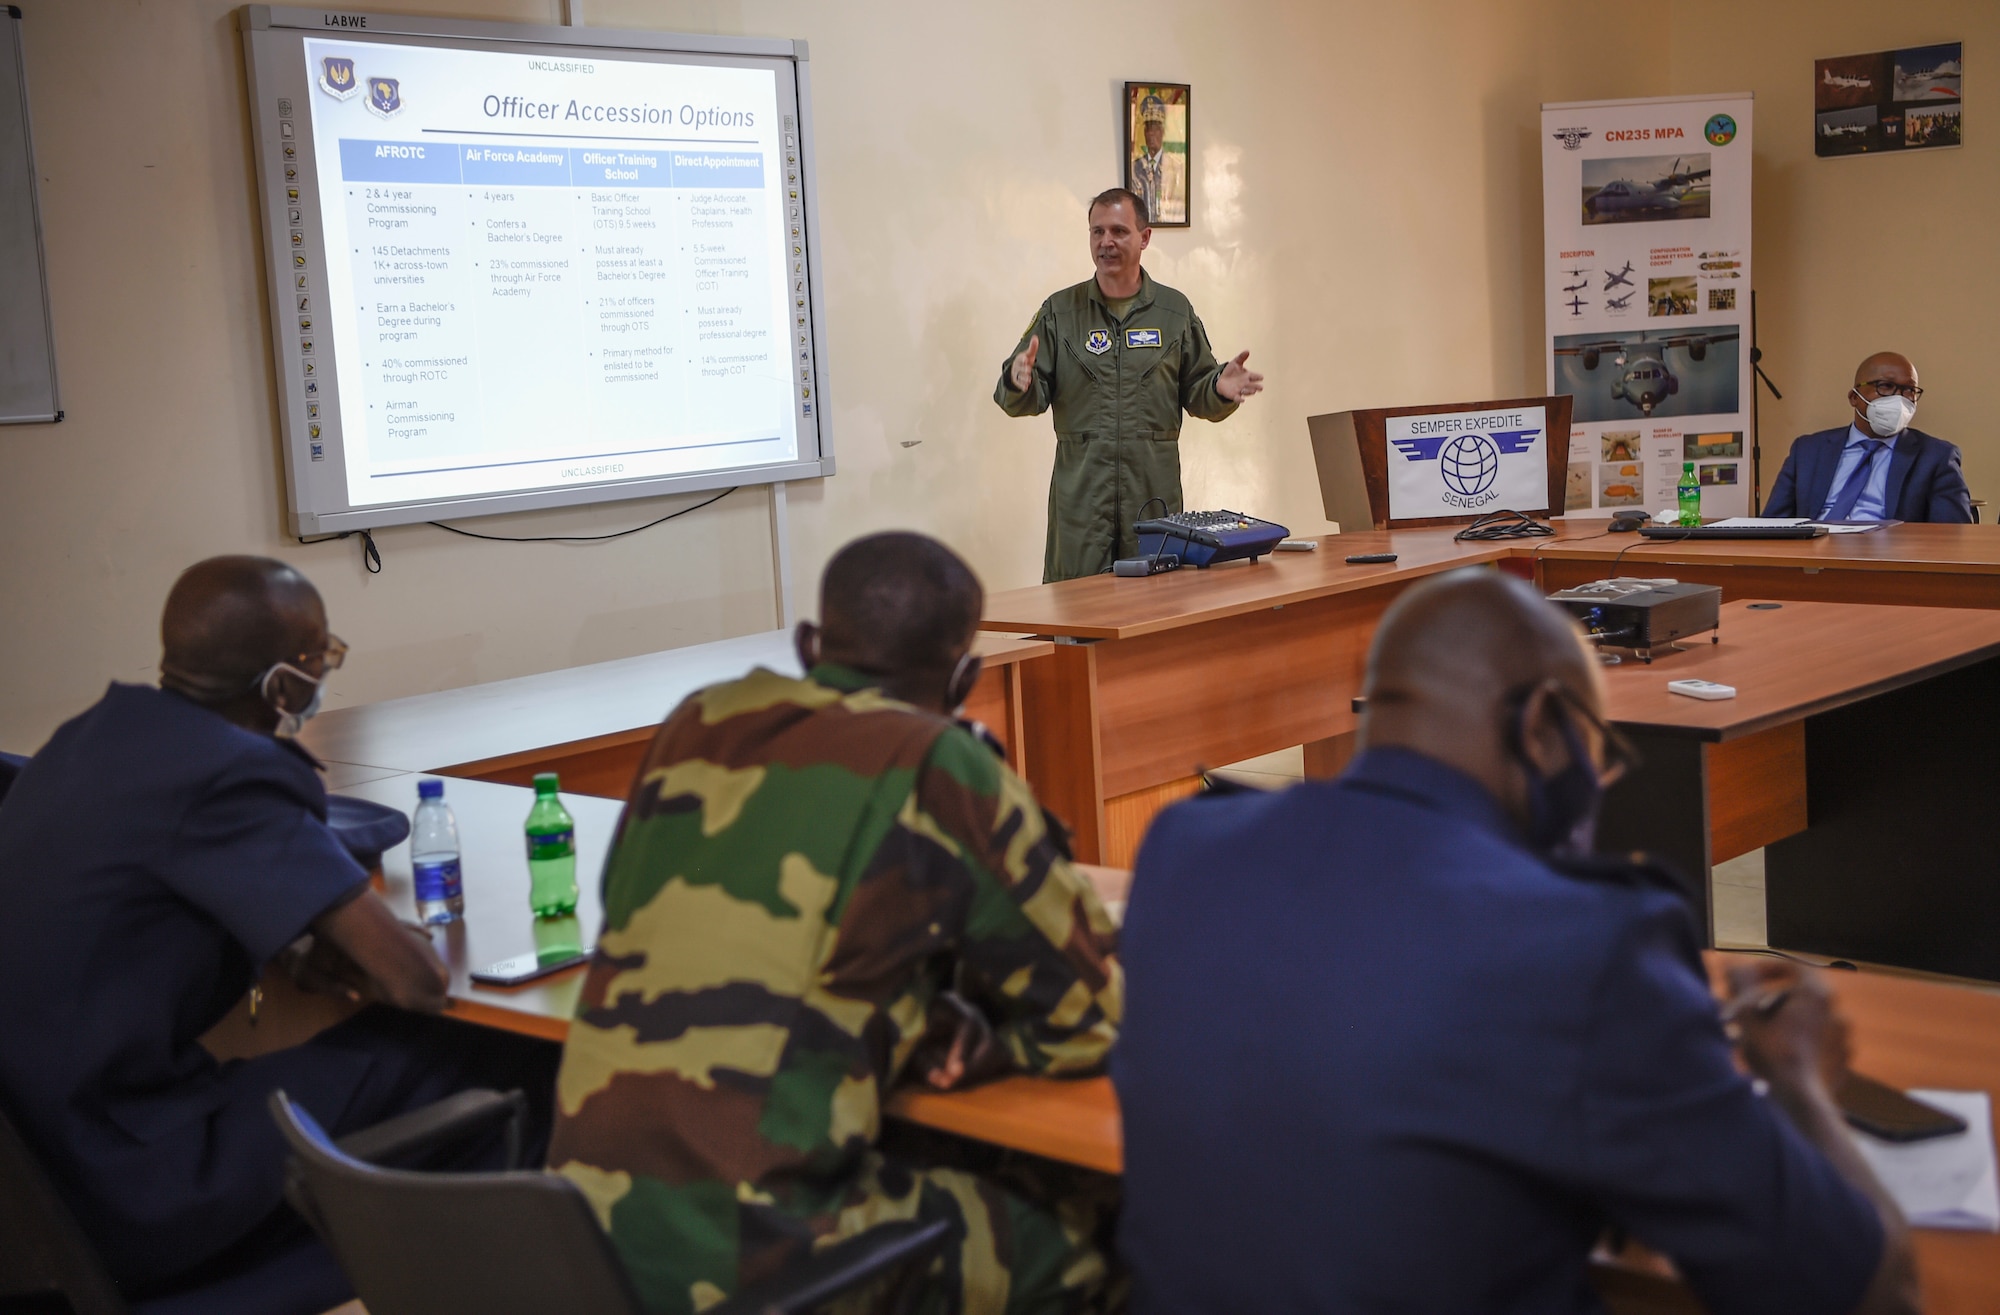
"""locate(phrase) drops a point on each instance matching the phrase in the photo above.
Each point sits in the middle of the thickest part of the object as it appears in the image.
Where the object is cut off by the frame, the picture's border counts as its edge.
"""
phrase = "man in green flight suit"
(804, 868)
(1119, 357)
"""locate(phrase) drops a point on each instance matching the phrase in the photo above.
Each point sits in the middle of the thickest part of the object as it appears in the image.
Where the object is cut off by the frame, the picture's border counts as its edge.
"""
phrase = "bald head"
(1899, 367)
(1460, 644)
(228, 620)
(1459, 672)
(901, 606)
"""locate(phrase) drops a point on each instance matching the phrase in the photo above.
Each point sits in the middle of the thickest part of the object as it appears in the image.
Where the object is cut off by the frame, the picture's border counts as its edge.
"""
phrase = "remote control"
(1370, 558)
(1295, 545)
(1702, 689)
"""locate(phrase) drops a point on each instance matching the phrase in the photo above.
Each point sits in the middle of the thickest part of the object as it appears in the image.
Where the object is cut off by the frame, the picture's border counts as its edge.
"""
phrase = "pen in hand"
(1763, 1005)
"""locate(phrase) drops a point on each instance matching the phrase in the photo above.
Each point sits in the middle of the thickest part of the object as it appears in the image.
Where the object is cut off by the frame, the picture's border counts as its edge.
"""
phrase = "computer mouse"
(1628, 522)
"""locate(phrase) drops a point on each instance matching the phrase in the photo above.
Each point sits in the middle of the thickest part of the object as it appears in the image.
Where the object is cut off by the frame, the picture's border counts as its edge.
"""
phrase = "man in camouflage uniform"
(1119, 357)
(802, 867)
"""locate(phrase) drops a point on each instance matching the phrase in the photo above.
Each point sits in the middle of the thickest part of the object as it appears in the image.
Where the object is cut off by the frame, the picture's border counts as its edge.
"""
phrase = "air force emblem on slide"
(1142, 337)
(336, 77)
(1098, 343)
(385, 96)
(1468, 463)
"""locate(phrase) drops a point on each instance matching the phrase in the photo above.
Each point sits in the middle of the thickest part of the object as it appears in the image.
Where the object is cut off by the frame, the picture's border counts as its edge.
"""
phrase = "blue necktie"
(1843, 502)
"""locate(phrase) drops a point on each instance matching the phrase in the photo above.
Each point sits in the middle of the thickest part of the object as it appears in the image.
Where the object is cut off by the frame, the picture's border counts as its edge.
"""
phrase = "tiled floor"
(1271, 771)
(1738, 884)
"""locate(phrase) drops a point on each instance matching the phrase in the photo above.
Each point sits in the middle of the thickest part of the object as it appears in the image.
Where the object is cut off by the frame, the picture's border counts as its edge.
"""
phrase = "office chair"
(46, 1263)
(518, 1242)
(48, 1266)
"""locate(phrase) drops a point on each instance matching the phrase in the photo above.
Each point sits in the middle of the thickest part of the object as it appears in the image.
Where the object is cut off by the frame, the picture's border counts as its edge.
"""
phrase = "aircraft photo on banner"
(1646, 223)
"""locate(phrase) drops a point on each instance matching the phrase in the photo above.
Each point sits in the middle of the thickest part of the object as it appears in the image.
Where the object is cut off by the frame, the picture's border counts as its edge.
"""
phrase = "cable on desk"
(1507, 524)
(1637, 541)
(1535, 557)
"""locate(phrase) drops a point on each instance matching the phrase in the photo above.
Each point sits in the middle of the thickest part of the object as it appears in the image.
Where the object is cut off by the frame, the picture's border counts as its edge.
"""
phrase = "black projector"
(1642, 614)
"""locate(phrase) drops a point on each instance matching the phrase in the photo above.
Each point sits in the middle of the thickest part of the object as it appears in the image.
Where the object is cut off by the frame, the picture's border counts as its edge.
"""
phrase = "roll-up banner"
(1646, 217)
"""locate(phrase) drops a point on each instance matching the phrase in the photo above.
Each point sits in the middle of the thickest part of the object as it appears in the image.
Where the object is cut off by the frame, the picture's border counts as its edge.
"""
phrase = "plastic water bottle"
(434, 857)
(551, 852)
(1690, 495)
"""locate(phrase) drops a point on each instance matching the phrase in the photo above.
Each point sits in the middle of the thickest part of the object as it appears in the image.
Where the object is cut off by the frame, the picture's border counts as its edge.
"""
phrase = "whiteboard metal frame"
(306, 519)
(11, 14)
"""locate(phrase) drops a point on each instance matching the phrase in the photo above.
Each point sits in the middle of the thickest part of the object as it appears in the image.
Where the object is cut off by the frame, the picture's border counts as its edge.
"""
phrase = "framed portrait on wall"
(1156, 151)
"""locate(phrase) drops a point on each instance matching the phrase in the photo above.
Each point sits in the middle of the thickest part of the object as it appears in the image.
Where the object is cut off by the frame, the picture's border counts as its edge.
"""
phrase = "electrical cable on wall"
(371, 556)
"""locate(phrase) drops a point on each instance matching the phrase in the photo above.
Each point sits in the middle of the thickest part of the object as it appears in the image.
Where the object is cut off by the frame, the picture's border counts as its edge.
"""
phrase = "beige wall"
(1367, 198)
(1863, 253)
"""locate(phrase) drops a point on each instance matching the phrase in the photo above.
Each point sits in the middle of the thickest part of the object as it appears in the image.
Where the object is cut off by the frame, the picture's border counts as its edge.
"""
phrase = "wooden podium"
(1351, 450)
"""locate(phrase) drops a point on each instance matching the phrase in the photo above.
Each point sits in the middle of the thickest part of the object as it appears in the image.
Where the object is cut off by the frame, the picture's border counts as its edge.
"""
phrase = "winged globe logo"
(1468, 463)
(1571, 138)
(385, 96)
(336, 77)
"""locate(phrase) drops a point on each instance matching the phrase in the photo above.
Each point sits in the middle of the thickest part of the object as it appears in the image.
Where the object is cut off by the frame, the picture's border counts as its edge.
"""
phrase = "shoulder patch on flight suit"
(1142, 337)
(1098, 343)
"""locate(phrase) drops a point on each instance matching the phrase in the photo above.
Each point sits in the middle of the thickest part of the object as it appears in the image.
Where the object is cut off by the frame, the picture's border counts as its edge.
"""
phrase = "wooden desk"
(497, 924)
(1063, 1120)
(591, 724)
(1154, 679)
(1906, 1032)
(1917, 565)
(1724, 778)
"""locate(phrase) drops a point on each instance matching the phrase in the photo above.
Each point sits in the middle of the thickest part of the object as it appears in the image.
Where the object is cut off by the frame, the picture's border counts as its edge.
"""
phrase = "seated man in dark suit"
(1389, 1044)
(1878, 468)
(154, 856)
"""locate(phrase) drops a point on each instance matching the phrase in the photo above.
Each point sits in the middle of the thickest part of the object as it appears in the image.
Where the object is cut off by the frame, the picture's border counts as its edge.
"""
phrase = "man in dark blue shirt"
(1390, 1046)
(154, 856)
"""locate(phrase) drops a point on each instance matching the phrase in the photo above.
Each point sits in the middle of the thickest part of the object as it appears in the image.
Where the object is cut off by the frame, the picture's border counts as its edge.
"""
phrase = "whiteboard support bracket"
(781, 556)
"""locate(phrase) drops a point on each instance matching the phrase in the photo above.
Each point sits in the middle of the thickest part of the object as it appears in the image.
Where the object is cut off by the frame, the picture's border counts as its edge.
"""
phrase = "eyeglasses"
(1884, 387)
(331, 657)
(1621, 756)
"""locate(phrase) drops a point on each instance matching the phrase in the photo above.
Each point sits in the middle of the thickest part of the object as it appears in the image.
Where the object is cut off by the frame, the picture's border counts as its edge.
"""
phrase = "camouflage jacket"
(799, 867)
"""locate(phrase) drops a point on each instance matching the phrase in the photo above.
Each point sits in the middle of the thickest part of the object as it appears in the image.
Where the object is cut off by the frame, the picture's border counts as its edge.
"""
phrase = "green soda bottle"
(558, 939)
(1690, 496)
(551, 852)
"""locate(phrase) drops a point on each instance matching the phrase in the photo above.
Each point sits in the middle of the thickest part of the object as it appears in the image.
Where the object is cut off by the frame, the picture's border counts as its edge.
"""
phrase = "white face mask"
(290, 722)
(1890, 415)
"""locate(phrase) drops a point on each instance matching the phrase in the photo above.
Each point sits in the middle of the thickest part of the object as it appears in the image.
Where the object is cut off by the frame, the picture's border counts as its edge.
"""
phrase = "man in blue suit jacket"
(1878, 468)
(155, 855)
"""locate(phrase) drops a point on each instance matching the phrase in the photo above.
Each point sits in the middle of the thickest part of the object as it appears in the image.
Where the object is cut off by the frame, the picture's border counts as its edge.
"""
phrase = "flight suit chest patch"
(1142, 337)
(1097, 342)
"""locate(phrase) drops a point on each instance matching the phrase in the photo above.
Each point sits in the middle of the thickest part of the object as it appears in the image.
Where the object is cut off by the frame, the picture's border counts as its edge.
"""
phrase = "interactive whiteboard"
(523, 267)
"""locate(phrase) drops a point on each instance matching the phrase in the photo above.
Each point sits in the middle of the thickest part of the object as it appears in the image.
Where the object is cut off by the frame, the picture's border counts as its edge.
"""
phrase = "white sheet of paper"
(1468, 462)
(1846, 529)
(1946, 1182)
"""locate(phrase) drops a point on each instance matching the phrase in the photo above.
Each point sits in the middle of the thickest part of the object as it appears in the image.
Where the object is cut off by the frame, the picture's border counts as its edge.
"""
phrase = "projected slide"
(545, 270)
